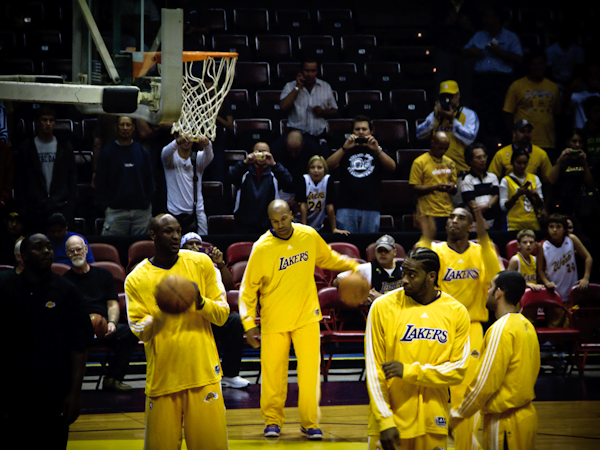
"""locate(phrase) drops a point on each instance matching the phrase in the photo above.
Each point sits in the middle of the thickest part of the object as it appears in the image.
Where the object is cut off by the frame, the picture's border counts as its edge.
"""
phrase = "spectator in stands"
(124, 183)
(452, 25)
(316, 196)
(564, 57)
(539, 163)
(58, 233)
(556, 265)
(12, 225)
(460, 124)
(570, 174)
(536, 99)
(258, 180)
(524, 262)
(521, 195)
(18, 268)
(229, 336)
(496, 52)
(294, 156)
(384, 274)
(591, 129)
(433, 179)
(48, 358)
(362, 162)
(310, 103)
(580, 90)
(46, 174)
(479, 187)
(97, 285)
(183, 172)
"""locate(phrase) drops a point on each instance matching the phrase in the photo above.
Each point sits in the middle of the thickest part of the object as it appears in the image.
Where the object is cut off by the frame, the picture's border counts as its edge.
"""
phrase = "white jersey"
(316, 199)
(561, 267)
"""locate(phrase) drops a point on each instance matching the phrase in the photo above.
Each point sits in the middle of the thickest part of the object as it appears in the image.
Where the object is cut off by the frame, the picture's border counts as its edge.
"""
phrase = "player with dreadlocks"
(416, 345)
(466, 269)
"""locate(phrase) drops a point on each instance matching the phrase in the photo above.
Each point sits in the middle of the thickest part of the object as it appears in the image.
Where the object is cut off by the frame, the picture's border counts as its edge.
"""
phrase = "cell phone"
(207, 250)
(574, 151)
(361, 140)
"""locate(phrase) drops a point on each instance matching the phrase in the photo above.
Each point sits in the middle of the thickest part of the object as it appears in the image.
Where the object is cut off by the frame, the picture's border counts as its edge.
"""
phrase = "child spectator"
(524, 262)
(521, 194)
(557, 268)
(316, 197)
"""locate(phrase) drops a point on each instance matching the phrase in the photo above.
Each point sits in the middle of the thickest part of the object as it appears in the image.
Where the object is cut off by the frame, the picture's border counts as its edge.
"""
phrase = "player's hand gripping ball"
(354, 289)
(99, 324)
(175, 294)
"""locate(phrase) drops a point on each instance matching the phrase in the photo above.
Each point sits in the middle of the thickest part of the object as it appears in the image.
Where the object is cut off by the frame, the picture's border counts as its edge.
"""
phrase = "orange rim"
(192, 56)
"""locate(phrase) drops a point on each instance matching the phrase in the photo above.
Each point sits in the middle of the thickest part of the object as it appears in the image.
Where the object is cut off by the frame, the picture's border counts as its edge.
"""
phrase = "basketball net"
(203, 96)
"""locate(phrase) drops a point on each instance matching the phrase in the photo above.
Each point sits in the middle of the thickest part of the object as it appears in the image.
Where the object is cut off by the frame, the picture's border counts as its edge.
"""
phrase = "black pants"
(122, 345)
(230, 338)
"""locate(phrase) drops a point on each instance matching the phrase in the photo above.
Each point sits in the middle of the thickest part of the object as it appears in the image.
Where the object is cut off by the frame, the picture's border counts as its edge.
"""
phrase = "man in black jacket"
(258, 179)
(46, 180)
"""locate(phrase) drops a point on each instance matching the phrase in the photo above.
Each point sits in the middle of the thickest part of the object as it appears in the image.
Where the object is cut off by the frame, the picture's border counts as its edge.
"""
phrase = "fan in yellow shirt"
(510, 363)
(281, 271)
(416, 345)
(183, 381)
(466, 270)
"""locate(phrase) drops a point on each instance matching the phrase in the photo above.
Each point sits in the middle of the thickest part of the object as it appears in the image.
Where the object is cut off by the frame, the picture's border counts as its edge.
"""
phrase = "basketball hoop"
(203, 90)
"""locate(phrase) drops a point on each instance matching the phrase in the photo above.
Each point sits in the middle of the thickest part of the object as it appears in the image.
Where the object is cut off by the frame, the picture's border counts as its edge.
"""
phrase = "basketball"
(175, 294)
(353, 289)
(99, 324)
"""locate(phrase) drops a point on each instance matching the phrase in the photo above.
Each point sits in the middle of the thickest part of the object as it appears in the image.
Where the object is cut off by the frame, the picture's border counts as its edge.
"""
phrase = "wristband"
(201, 304)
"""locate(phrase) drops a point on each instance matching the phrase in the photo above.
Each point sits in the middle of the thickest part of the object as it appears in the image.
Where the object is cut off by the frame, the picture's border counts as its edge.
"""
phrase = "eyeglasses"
(74, 251)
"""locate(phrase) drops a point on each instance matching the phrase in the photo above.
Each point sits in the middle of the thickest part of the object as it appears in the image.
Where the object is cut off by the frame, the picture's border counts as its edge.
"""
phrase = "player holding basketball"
(416, 345)
(183, 381)
(466, 270)
(281, 270)
(510, 363)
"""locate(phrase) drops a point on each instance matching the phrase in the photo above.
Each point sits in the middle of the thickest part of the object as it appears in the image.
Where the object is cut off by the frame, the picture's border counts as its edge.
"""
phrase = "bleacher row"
(342, 324)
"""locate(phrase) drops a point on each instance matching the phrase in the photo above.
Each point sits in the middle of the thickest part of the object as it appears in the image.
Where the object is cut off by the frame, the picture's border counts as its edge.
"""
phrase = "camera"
(361, 140)
(445, 103)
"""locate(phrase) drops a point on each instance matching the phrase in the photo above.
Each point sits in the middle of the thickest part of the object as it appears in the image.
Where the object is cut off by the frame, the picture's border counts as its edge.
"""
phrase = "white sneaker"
(235, 382)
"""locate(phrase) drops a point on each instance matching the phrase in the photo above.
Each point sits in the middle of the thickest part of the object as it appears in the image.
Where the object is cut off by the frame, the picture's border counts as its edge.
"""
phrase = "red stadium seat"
(237, 272)
(105, 252)
(117, 271)
(512, 249)
(585, 308)
(137, 252)
(60, 268)
(238, 251)
(346, 248)
(546, 299)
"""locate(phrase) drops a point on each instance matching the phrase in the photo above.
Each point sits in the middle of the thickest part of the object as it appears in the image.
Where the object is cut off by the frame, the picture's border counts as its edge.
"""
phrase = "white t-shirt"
(561, 267)
(365, 270)
(47, 154)
(180, 178)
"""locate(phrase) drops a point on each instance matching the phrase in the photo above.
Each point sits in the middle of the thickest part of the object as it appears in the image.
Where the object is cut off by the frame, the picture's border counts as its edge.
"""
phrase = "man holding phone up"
(309, 102)
(361, 161)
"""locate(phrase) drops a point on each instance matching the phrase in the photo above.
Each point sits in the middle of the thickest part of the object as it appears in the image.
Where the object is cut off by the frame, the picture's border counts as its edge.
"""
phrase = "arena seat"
(341, 76)
(251, 20)
(237, 43)
(105, 252)
(335, 22)
(252, 75)
(382, 75)
(221, 224)
(137, 252)
(585, 308)
(248, 132)
(321, 47)
(512, 249)
(238, 251)
(392, 134)
(215, 19)
(237, 272)
(359, 48)
(117, 271)
(366, 102)
(294, 22)
(346, 248)
(340, 130)
(60, 268)
(273, 47)
(267, 105)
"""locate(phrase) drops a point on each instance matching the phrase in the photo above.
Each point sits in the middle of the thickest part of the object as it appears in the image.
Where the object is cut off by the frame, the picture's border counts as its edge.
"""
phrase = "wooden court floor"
(562, 425)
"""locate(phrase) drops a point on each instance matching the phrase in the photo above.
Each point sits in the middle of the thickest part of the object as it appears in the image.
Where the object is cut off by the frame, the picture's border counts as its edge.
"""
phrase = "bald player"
(281, 271)
(183, 381)
(466, 268)
(433, 180)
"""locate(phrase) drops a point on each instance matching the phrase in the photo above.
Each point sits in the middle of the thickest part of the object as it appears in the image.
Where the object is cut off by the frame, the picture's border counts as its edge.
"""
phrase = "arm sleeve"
(301, 191)
(451, 372)
(491, 371)
(330, 259)
(216, 308)
(330, 100)
(503, 189)
(330, 193)
(538, 187)
(168, 151)
(496, 165)
(249, 287)
(364, 269)
(376, 383)
(468, 132)
(143, 322)
(491, 263)
(467, 189)
(415, 176)
(283, 176)
(237, 171)
(511, 100)
(204, 158)
(545, 169)
(426, 127)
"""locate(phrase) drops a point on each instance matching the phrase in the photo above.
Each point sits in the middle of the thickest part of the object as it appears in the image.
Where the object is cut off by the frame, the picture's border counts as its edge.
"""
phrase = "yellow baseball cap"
(448, 87)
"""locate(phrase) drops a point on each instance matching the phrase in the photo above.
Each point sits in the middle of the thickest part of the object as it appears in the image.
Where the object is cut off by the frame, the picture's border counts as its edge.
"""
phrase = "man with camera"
(361, 161)
(258, 180)
(460, 124)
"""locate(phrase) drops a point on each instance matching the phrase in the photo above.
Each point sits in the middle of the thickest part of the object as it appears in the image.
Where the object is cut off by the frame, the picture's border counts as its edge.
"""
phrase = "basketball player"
(416, 345)
(281, 270)
(183, 382)
(510, 363)
(466, 270)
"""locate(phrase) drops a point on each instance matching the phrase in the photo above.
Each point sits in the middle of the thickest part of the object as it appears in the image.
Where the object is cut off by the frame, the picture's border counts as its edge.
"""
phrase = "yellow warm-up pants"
(200, 410)
(464, 433)
(517, 426)
(428, 441)
(274, 362)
